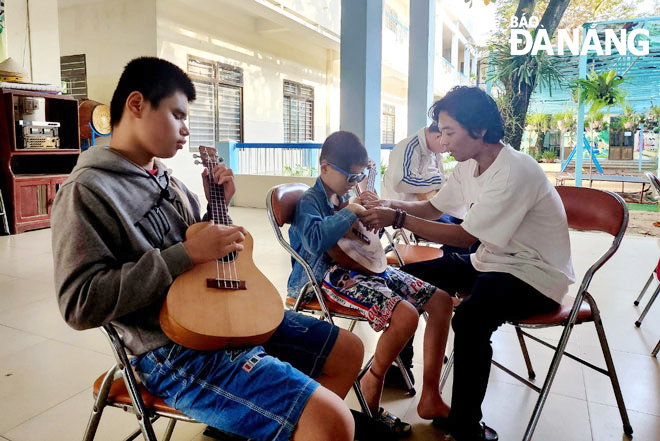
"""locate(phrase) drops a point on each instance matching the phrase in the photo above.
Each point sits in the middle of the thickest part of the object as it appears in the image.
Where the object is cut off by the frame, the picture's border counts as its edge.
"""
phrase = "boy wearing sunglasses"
(391, 302)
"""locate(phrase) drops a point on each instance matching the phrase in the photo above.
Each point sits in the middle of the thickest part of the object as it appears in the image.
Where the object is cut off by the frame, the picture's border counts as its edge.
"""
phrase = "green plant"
(509, 119)
(538, 122)
(383, 168)
(616, 125)
(548, 155)
(599, 90)
(527, 70)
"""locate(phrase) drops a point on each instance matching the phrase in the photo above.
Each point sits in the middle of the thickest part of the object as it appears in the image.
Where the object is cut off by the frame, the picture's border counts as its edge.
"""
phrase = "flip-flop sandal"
(397, 427)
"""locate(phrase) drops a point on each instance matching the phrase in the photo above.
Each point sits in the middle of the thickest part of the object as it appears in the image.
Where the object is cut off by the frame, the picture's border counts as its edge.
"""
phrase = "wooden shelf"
(46, 152)
(32, 177)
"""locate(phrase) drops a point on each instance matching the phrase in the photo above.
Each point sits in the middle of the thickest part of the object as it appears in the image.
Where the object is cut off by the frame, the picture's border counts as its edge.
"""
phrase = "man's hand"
(371, 200)
(377, 217)
(214, 242)
(222, 176)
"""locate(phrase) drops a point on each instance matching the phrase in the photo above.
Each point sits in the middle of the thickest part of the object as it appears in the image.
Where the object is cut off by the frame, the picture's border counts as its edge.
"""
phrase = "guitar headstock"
(371, 165)
(209, 156)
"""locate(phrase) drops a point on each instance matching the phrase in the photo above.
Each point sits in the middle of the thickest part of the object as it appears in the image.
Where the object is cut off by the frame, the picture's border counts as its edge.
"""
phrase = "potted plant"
(548, 156)
(599, 90)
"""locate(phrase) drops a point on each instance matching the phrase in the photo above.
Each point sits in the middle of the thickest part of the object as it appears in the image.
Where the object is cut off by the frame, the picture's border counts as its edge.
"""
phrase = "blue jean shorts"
(256, 392)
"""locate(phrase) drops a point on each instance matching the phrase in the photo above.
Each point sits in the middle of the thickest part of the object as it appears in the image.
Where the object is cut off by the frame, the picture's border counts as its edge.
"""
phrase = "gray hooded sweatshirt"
(117, 245)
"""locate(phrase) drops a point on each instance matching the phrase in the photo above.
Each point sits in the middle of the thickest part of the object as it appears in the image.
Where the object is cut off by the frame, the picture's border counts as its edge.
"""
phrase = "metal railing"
(279, 159)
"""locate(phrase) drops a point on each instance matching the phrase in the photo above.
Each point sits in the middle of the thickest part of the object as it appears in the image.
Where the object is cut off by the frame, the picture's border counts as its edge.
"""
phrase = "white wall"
(110, 34)
(42, 65)
(265, 63)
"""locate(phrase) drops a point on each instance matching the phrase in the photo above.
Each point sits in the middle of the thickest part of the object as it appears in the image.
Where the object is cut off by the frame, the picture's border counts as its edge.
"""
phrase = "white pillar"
(454, 55)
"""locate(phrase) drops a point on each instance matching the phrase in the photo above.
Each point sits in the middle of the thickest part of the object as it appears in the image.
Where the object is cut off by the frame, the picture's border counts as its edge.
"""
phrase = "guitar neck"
(217, 202)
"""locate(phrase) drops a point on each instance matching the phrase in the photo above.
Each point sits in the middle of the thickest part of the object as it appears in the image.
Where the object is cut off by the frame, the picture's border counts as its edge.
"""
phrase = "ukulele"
(223, 303)
(360, 249)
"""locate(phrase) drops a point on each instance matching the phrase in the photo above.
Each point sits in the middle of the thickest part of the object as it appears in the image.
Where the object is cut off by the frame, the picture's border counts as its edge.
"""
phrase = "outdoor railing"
(279, 159)
(286, 159)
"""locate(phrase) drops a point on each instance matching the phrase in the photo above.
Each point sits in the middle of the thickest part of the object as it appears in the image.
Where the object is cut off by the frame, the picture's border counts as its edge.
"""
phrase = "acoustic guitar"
(360, 249)
(223, 303)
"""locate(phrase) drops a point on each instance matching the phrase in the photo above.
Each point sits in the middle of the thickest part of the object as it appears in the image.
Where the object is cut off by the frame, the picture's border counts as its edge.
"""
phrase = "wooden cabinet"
(32, 176)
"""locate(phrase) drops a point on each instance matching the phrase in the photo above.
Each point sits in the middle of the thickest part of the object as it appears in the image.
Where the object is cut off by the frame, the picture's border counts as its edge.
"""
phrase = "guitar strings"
(219, 211)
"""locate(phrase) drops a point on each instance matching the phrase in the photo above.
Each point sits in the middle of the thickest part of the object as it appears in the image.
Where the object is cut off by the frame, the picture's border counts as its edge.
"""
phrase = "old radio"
(37, 134)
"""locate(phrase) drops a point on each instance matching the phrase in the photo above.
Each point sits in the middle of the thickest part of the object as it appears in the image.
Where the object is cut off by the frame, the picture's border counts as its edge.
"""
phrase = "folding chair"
(656, 271)
(281, 205)
(399, 254)
(119, 388)
(587, 209)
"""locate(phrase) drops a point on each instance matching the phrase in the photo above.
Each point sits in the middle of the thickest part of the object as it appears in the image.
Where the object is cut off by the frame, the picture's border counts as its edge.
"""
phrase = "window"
(298, 112)
(73, 69)
(217, 112)
(387, 124)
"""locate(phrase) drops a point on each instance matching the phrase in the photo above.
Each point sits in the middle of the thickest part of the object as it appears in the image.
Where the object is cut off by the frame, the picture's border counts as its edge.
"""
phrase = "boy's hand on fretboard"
(222, 176)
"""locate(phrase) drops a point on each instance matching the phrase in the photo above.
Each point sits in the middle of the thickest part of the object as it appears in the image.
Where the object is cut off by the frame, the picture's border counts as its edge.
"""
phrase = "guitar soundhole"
(228, 258)
(226, 284)
(361, 236)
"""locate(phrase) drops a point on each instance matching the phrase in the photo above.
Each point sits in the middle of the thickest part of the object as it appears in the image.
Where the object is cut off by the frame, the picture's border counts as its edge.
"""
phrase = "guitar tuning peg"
(196, 156)
(198, 162)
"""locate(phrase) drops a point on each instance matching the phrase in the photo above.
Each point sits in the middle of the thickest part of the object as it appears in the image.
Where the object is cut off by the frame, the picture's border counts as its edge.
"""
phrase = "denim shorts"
(256, 392)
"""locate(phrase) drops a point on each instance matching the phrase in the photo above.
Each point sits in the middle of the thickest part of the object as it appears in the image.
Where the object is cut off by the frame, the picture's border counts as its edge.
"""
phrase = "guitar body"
(208, 318)
(352, 252)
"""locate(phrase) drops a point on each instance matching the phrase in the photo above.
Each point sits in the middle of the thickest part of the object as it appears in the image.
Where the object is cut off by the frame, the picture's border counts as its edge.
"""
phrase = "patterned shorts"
(375, 296)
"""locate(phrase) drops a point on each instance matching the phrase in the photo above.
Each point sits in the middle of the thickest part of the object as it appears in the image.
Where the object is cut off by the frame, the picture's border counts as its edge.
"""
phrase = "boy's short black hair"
(154, 78)
(474, 110)
(344, 149)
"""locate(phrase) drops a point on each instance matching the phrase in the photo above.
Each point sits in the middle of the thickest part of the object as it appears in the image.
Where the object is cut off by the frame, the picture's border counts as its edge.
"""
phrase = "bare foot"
(430, 407)
(372, 388)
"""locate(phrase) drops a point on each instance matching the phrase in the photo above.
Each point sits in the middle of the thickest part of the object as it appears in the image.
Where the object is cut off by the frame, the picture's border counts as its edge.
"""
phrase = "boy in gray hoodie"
(119, 227)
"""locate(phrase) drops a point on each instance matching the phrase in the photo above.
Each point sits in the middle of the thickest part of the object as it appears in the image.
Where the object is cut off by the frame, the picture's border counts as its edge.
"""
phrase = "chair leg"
(641, 294)
(169, 429)
(406, 378)
(358, 389)
(449, 365)
(545, 391)
(523, 348)
(99, 405)
(627, 428)
(638, 323)
(656, 350)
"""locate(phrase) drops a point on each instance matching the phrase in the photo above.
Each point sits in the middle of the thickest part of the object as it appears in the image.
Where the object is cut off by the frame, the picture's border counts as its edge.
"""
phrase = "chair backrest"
(283, 200)
(653, 179)
(589, 209)
(594, 210)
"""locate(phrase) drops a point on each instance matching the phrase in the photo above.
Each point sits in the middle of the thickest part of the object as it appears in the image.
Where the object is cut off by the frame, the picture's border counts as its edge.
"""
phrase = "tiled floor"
(46, 368)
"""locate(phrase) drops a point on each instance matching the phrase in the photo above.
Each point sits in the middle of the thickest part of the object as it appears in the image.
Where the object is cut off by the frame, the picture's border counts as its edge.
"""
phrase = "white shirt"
(517, 215)
(412, 169)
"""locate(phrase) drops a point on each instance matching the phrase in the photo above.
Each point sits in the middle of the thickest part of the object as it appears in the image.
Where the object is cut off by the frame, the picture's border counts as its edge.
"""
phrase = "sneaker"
(482, 433)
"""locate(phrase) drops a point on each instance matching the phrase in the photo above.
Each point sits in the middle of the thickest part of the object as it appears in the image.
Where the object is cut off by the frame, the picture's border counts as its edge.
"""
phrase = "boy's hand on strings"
(214, 242)
(368, 196)
(377, 217)
(222, 176)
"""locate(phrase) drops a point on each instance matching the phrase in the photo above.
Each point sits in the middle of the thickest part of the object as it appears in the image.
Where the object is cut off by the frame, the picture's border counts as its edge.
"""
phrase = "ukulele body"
(200, 317)
(354, 253)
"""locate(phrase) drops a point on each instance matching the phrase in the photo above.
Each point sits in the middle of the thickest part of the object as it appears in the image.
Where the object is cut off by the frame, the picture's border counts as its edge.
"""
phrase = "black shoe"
(481, 433)
(370, 429)
(218, 434)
